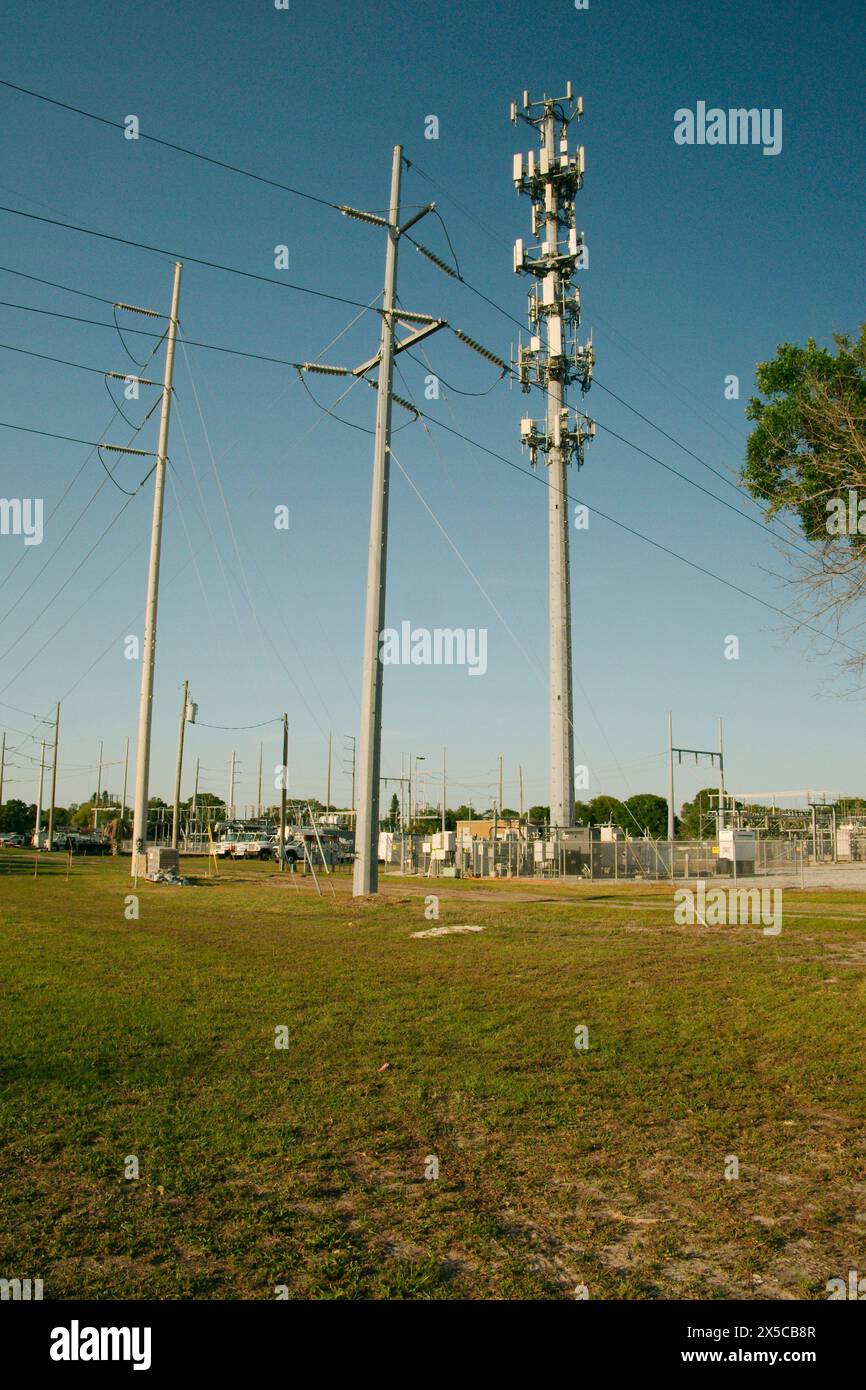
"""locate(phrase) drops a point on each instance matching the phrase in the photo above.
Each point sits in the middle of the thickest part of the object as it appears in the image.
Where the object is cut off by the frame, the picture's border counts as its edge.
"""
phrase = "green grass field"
(304, 1166)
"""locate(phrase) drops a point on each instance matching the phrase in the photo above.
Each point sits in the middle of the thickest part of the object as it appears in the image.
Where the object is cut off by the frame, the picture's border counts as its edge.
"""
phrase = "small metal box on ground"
(162, 859)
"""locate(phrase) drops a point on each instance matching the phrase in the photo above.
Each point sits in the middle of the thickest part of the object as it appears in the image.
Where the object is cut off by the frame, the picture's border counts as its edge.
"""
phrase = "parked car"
(10, 839)
(293, 852)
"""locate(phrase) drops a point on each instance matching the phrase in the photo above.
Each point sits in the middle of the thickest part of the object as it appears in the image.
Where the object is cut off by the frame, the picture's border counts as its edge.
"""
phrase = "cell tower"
(553, 359)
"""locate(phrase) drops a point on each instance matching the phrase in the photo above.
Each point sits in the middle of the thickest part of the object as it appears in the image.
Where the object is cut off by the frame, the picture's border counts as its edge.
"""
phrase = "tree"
(539, 815)
(394, 813)
(806, 456)
(17, 817)
(604, 809)
(696, 819)
(646, 811)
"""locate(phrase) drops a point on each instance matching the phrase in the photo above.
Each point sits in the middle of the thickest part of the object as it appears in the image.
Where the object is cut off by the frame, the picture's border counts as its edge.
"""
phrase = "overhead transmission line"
(302, 193)
(504, 370)
(182, 256)
(356, 304)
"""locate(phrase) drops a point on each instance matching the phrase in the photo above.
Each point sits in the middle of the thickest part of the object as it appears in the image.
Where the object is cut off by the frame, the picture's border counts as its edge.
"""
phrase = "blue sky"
(702, 260)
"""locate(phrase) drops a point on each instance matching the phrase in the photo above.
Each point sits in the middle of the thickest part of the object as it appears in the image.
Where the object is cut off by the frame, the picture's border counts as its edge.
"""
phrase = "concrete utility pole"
(195, 788)
(175, 820)
(39, 798)
(283, 785)
(259, 802)
(230, 804)
(443, 788)
(697, 754)
(328, 792)
(350, 738)
(148, 655)
(501, 802)
(2, 765)
(554, 315)
(366, 870)
(125, 776)
(419, 758)
(520, 781)
(98, 790)
(54, 777)
(365, 877)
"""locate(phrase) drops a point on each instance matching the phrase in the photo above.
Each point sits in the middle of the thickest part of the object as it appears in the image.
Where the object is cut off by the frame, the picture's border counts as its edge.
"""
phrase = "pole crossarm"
(401, 344)
(377, 221)
(698, 753)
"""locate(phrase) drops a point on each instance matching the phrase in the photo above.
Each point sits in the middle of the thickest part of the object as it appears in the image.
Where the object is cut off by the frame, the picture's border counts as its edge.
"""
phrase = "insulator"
(324, 370)
(134, 309)
(125, 449)
(476, 347)
(130, 376)
(436, 261)
(364, 216)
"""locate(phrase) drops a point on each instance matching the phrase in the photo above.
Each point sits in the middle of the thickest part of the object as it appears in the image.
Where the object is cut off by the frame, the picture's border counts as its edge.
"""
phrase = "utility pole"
(365, 877)
(328, 792)
(2, 765)
(98, 790)
(697, 754)
(148, 655)
(366, 871)
(54, 777)
(175, 821)
(350, 738)
(554, 315)
(443, 788)
(230, 804)
(259, 802)
(501, 802)
(419, 758)
(39, 799)
(520, 781)
(195, 788)
(670, 775)
(284, 777)
(125, 776)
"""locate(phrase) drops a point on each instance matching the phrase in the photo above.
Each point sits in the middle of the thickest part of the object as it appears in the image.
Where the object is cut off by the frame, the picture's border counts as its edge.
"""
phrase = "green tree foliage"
(603, 809)
(696, 820)
(809, 442)
(647, 811)
(16, 817)
(806, 456)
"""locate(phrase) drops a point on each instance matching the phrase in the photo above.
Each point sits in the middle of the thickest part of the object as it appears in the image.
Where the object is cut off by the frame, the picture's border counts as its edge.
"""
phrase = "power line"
(55, 285)
(653, 425)
(145, 333)
(215, 347)
(693, 564)
(240, 728)
(170, 145)
(179, 255)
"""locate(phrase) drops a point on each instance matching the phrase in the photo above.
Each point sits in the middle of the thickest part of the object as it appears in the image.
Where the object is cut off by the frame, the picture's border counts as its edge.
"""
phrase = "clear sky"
(702, 260)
